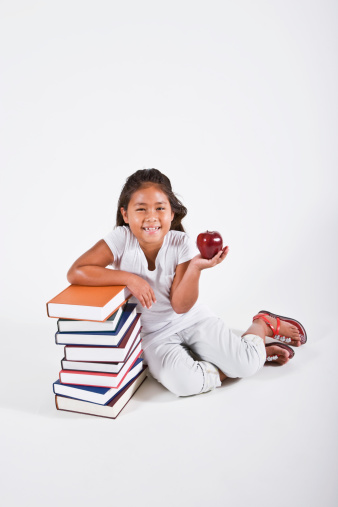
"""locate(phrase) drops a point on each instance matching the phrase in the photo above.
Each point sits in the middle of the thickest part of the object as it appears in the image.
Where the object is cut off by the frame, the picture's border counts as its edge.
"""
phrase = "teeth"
(151, 228)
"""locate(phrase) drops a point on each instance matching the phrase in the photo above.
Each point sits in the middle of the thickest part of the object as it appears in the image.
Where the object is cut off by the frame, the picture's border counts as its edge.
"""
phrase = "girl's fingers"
(150, 298)
(222, 253)
(225, 252)
(145, 301)
(148, 301)
(142, 301)
(219, 256)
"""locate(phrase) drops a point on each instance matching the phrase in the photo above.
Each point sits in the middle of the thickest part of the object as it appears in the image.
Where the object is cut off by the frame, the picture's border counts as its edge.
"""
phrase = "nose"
(151, 215)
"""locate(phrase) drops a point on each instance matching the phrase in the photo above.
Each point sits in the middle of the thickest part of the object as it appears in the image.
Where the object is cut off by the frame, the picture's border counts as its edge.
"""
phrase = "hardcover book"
(91, 378)
(113, 354)
(88, 303)
(108, 338)
(111, 409)
(70, 325)
(99, 366)
(93, 394)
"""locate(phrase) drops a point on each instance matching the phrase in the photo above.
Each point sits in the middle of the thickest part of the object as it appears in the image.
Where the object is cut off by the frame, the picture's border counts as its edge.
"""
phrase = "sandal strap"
(278, 325)
(264, 317)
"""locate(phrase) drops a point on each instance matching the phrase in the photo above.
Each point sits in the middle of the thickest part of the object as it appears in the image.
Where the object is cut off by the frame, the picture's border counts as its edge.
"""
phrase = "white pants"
(187, 362)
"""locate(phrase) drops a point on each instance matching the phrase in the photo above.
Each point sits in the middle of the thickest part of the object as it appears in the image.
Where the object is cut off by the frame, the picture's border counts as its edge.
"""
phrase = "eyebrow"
(144, 203)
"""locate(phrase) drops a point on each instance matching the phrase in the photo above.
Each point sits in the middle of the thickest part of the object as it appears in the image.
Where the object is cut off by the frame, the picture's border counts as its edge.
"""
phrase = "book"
(92, 378)
(107, 338)
(94, 394)
(71, 325)
(106, 367)
(112, 354)
(88, 303)
(111, 409)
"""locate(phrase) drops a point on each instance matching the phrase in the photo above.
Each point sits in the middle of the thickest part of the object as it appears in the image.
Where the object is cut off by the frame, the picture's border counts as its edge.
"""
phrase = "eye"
(161, 208)
(140, 209)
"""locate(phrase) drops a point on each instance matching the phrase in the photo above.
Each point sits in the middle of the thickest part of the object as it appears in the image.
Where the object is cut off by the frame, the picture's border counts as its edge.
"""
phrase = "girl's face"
(149, 215)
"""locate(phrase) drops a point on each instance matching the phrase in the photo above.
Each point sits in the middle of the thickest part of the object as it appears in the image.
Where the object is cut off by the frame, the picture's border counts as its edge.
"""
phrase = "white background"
(236, 101)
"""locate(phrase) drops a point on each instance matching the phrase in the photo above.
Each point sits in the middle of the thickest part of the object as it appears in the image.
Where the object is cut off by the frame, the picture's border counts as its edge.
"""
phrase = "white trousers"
(187, 362)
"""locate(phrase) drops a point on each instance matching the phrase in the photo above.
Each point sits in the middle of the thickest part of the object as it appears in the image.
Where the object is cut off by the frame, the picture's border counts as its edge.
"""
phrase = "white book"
(114, 354)
(105, 338)
(110, 410)
(95, 394)
(93, 365)
(71, 325)
(86, 378)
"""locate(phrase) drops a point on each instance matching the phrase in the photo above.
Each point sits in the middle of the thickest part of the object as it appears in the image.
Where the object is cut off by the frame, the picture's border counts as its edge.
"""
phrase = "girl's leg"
(171, 363)
(257, 328)
(212, 341)
(260, 328)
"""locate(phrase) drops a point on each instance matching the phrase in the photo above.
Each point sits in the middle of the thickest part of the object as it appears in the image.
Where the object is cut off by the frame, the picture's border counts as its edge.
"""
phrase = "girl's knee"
(252, 357)
(182, 383)
(176, 370)
(201, 377)
(247, 369)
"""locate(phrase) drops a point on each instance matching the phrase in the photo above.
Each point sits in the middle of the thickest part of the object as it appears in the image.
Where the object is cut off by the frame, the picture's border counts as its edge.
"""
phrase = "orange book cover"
(89, 296)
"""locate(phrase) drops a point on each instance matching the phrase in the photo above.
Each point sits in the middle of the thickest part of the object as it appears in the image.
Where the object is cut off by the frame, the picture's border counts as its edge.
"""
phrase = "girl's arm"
(91, 269)
(184, 290)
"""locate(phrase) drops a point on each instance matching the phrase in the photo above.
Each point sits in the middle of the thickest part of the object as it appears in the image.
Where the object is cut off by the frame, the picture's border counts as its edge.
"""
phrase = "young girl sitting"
(187, 348)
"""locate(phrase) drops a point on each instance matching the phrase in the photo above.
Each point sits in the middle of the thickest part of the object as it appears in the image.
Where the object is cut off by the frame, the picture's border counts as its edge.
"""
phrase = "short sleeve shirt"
(160, 320)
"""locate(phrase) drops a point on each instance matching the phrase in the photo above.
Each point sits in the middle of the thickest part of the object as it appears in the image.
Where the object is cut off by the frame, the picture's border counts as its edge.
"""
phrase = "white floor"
(270, 439)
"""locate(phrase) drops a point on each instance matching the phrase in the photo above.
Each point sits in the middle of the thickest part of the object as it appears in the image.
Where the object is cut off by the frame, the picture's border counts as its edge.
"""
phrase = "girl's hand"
(141, 290)
(200, 263)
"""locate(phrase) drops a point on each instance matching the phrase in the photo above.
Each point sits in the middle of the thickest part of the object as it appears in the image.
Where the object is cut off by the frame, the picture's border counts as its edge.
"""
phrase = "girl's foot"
(278, 353)
(287, 330)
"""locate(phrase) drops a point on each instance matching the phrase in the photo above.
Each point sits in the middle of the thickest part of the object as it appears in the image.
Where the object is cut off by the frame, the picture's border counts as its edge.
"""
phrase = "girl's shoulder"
(119, 238)
(121, 231)
(179, 239)
(182, 247)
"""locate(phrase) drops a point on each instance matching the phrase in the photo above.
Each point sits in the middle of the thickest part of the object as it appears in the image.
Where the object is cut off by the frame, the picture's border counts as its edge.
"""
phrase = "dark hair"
(141, 178)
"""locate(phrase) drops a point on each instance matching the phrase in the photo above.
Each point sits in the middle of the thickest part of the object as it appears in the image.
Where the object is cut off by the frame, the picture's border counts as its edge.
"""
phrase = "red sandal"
(264, 316)
(281, 346)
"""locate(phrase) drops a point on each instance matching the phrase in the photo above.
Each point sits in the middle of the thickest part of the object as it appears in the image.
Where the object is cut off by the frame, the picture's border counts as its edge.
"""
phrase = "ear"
(124, 215)
(172, 215)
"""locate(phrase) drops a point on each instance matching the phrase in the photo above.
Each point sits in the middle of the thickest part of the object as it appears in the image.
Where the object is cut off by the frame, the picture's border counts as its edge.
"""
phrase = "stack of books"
(102, 366)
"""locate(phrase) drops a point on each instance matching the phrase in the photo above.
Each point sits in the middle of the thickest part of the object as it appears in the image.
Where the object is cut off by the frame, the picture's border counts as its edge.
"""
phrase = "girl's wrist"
(193, 266)
(129, 277)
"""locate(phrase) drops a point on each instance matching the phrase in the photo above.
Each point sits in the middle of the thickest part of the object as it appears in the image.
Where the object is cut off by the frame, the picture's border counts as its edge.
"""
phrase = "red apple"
(209, 243)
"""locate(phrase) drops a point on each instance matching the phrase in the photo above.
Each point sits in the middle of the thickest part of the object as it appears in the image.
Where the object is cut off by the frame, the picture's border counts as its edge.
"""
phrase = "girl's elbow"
(179, 308)
(72, 276)
(179, 311)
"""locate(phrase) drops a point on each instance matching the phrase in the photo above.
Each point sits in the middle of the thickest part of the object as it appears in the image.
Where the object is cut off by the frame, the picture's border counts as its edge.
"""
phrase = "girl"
(187, 348)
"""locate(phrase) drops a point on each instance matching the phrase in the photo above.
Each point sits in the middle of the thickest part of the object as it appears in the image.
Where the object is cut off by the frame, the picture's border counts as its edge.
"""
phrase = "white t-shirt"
(160, 321)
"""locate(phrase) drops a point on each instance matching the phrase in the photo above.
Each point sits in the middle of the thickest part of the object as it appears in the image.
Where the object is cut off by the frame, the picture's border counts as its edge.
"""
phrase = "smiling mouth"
(151, 229)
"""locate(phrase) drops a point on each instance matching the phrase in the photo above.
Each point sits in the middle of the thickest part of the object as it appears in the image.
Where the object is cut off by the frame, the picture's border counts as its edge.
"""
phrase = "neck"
(151, 251)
